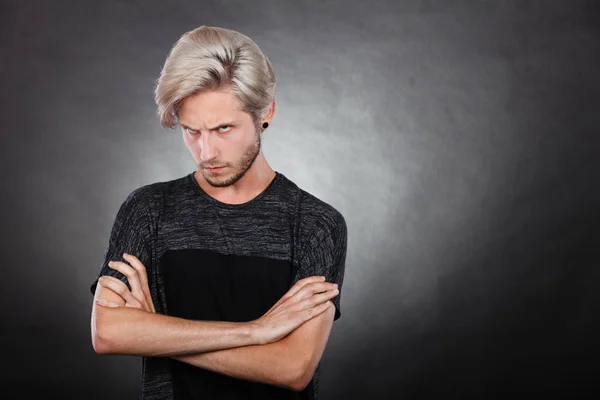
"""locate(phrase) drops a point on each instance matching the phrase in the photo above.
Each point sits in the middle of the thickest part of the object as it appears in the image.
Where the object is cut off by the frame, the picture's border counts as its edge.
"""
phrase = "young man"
(225, 281)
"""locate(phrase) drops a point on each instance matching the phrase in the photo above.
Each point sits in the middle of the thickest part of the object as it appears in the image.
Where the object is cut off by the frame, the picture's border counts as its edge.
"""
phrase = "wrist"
(252, 332)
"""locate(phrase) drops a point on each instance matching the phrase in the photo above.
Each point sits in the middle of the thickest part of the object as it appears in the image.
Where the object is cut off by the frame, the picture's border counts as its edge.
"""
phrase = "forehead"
(206, 109)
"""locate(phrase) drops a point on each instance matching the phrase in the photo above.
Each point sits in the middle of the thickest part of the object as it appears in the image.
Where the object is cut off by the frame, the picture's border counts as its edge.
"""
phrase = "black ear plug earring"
(265, 125)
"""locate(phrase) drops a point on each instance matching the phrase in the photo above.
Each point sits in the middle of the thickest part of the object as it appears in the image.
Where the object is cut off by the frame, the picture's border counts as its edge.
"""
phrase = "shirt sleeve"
(126, 237)
(326, 257)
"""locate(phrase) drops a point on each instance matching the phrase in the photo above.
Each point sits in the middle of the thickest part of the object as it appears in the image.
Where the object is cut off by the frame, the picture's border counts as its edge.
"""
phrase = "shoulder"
(147, 200)
(319, 219)
(323, 237)
(151, 192)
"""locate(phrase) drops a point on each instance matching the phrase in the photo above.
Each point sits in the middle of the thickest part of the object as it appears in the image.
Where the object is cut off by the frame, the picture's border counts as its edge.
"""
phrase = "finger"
(119, 288)
(106, 280)
(321, 308)
(309, 279)
(130, 299)
(312, 312)
(107, 303)
(319, 287)
(143, 277)
(314, 300)
(295, 288)
(317, 299)
(300, 284)
(313, 288)
(141, 270)
(119, 301)
(130, 272)
(303, 304)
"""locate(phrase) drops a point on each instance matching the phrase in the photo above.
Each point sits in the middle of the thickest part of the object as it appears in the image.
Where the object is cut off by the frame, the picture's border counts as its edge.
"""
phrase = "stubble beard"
(244, 165)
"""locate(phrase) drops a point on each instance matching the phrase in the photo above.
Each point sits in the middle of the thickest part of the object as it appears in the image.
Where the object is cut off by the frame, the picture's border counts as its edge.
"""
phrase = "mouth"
(216, 169)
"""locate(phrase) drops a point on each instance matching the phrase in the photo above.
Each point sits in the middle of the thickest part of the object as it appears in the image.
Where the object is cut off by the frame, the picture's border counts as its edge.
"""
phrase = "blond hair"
(213, 58)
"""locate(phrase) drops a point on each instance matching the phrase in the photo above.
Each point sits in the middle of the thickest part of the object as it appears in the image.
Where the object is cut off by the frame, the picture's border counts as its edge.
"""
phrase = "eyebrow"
(213, 128)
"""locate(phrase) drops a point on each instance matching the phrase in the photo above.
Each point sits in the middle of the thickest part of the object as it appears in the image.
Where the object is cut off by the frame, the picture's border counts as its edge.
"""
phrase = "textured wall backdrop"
(459, 139)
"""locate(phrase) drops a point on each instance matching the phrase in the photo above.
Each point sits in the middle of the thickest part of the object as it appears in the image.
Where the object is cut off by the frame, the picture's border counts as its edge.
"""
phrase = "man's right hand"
(308, 298)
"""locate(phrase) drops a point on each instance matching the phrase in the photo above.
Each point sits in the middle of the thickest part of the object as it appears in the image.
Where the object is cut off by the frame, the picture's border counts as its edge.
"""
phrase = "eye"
(191, 131)
(224, 126)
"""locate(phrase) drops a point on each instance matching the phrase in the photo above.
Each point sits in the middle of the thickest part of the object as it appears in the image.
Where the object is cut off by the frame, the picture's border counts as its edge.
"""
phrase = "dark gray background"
(458, 138)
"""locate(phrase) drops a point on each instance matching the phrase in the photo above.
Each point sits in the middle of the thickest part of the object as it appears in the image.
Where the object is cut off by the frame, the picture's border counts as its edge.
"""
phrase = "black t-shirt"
(209, 260)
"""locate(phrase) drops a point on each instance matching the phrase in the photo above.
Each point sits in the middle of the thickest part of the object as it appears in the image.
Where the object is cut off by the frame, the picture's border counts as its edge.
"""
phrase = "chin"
(220, 180)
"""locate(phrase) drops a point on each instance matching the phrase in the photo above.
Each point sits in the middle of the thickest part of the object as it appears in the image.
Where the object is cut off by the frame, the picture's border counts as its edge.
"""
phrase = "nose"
(207, 147)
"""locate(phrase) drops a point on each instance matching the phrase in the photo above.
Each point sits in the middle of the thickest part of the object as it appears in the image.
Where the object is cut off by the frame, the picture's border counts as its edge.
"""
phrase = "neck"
(254, 181)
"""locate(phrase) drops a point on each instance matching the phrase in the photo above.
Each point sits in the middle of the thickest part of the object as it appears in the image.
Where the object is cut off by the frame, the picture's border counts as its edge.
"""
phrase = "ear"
(269, 117)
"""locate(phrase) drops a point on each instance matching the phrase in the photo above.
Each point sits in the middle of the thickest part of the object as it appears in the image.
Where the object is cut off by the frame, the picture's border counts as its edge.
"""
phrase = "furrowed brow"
(213, 128)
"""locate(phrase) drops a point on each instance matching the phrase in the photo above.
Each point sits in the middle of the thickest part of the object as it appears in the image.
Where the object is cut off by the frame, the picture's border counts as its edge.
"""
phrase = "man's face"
(218, 134)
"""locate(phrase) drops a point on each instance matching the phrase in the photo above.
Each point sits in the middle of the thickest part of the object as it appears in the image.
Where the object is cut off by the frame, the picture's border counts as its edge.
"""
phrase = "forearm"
(130, 331)
(271, 363)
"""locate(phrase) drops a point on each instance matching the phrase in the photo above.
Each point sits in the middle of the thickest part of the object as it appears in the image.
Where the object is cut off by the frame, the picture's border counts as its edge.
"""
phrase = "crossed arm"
(226, 348)
(290, 362)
